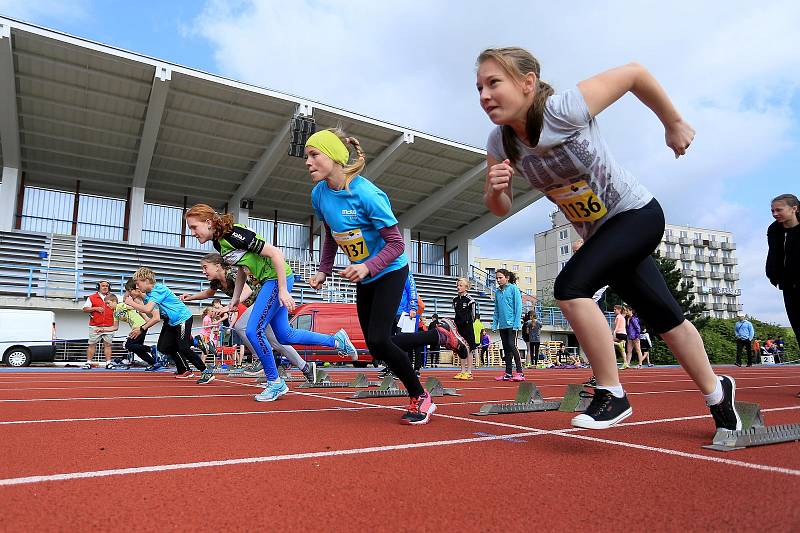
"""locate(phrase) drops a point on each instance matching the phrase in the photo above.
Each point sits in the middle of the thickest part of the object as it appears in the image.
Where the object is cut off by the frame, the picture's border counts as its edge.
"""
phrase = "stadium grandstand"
(103, 149)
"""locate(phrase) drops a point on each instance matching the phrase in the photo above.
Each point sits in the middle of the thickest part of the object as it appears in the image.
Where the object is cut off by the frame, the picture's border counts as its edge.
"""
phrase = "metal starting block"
(286, 376)
(381, 393)
(530, 400)
(435, 388)
(359, 382)
(753, 432)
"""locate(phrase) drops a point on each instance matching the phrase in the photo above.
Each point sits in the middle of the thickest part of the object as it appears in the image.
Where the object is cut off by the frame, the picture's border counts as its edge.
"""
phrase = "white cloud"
(731, 68)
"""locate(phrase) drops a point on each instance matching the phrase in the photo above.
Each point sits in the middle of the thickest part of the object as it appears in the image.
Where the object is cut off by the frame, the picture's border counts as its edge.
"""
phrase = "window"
(670, 248)
(712, 237)
(563, 234)
(701, 267)
(686, 265)
(729, 270)
(529, 292)
(698, 236)
(712, 253)
(302, 322)
(563, 249)
(684, 234)
(527, 268)
(668, 232)
(561, 265)
(685, 249)
(505, 265)
(723, 238)
(515, 268)
(729, 284)
(718, 314)
(528, 280)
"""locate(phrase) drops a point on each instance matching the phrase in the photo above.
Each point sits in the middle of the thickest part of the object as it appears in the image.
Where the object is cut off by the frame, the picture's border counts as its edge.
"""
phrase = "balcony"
(729, 261)
(734, 307)
(672, 255)
(683, 240)
(718, 307)
(686, 257)
(715, 275)
(732, 276)
(701, 274)
(714, 260)
(714, 245)
(698, 242)
(700, 258)
(670, 239)
(687, 272)
(728, 245)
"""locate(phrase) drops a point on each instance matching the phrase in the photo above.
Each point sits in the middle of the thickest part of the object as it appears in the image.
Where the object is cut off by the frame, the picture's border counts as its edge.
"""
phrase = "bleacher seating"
(19, 252)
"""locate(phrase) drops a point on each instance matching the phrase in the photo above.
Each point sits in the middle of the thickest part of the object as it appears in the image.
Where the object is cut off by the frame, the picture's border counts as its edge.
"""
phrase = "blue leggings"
(267, 309)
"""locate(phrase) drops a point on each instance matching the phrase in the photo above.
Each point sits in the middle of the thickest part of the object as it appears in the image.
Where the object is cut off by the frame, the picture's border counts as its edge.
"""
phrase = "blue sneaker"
(272, 392)
(154, 368)
(344, 346)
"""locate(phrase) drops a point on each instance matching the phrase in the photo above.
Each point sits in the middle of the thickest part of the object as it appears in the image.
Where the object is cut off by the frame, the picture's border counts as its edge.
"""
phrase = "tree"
(681, 291)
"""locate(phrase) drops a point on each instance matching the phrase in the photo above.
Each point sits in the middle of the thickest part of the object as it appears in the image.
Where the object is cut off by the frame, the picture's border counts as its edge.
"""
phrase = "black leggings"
(176, 342)
(534, 351)
(508, 337)
(791, 298)
(618, 255)
(376, 303)
(137, 346)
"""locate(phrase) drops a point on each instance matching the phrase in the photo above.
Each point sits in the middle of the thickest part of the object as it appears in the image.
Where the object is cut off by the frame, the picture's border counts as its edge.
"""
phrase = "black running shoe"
(605, 411)
(310, 372)
(419, 410)
(724, 413)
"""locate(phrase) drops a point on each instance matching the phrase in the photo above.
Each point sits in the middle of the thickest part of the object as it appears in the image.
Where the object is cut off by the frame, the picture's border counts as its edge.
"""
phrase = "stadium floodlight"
(302, 127)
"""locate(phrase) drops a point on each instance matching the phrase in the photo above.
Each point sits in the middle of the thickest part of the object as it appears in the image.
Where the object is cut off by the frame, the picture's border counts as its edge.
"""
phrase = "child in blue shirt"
(358, 219)
(175, 339)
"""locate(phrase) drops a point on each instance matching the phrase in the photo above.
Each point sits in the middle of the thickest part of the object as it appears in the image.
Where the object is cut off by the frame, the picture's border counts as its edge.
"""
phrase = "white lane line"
(686, 455)
(180, 415)
(101, 398)
(572, 432)
(253, 460)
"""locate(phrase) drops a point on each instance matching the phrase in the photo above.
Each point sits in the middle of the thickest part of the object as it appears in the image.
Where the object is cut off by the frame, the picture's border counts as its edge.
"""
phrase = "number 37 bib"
(352, 244)
(578, 202)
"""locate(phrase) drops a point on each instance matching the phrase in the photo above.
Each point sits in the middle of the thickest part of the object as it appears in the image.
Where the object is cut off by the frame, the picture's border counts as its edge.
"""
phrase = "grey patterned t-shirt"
(573, 166)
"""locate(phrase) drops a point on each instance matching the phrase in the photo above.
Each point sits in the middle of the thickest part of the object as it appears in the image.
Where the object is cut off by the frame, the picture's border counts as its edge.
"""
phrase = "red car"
(329, 318)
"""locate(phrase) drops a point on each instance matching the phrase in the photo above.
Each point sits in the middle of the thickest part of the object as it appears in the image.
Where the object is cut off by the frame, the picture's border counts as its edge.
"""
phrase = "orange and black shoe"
(419, 410)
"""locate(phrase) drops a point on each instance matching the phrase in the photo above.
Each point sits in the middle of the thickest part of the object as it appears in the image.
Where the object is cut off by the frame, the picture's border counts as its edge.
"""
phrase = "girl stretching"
(223, 278)
(241, 246)
(554, 142)
(358, 218)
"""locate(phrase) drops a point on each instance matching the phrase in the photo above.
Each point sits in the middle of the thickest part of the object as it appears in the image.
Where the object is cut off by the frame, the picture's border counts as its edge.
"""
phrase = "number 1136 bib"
(352, 244)
(578, 202)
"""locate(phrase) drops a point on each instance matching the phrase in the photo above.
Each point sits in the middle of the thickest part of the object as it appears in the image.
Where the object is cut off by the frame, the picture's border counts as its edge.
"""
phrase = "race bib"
(352, 244)
(578, 202)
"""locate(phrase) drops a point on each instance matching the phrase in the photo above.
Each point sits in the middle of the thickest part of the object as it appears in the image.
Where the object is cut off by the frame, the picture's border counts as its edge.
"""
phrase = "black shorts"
(622, 336)
(468, 332)
(619, 255)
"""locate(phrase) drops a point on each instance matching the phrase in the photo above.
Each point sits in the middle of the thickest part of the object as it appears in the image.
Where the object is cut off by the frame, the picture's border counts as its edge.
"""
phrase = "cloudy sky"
(732, 69)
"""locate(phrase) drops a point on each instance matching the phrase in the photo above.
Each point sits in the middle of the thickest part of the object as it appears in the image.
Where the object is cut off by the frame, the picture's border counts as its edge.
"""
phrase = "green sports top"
(242, 247)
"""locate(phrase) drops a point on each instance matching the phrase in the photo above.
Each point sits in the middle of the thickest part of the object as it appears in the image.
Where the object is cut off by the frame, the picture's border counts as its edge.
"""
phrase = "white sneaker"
(86, 366)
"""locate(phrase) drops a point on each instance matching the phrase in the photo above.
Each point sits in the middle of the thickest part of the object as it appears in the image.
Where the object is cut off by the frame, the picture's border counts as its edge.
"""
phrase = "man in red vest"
(100, 316)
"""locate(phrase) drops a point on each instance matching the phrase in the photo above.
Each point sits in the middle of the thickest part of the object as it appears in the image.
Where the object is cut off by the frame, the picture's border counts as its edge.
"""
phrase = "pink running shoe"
(419, 410)
(518, 376)
(504, 377)
(185, 375)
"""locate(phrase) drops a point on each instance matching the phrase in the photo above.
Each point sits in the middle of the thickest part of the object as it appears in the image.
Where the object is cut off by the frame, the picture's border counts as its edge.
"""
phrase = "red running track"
(106, 450)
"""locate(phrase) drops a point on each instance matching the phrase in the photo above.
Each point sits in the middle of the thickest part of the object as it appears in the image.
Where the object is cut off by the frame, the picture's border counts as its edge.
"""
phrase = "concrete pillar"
(8, 197)
(467, 253)
(136, 216)
(406, 232)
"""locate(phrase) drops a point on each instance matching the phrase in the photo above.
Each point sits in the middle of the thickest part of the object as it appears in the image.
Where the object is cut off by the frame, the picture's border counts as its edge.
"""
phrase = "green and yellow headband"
(329, 144)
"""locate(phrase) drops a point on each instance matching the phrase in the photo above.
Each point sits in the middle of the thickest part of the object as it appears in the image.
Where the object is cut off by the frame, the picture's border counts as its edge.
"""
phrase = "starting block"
(576, 398)
(529, 400)
(435, 388)
(359, 382)
(286, 376)
(753, 432)
(387, 389)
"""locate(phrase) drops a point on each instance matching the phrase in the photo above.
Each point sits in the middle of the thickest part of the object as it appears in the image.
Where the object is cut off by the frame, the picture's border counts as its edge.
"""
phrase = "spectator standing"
(465, 313)
(483, 359)
(621, 334)
(646, 345)
(534, 336)
(633, 329)
(783, 257)
(507, 321)
(744, 332)
(100, 316)
(781, 347)
(434, 351)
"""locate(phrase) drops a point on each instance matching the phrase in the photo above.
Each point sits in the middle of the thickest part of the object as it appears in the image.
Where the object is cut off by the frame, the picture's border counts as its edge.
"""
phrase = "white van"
(27, 336)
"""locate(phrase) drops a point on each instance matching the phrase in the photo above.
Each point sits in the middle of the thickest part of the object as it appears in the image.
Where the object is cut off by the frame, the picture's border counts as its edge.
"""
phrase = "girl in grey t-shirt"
(553, 141)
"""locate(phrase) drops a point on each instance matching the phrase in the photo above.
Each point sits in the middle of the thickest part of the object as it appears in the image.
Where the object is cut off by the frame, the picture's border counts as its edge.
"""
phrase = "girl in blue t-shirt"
(358, 219)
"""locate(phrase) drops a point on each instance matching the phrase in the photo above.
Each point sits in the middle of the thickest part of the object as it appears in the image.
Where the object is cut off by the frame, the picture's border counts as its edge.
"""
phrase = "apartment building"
(707, 257)
(524, 270)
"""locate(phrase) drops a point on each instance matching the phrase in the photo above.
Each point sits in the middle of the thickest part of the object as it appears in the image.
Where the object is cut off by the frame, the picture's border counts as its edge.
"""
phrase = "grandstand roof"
(115, 119)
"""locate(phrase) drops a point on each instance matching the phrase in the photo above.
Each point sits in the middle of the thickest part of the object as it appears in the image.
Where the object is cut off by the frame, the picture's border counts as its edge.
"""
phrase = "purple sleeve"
(394, 247)
(328, 254)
